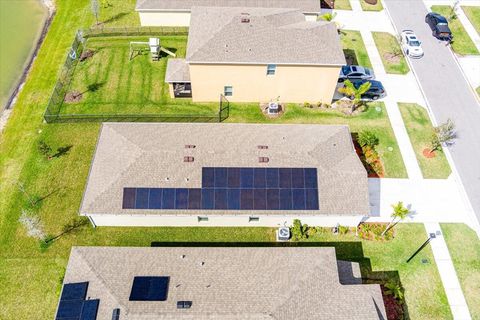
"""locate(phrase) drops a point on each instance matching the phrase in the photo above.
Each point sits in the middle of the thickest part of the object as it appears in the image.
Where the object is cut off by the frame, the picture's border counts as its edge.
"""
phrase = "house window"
(271, 68)
(228, 91)
(202, 219)
(253, 219)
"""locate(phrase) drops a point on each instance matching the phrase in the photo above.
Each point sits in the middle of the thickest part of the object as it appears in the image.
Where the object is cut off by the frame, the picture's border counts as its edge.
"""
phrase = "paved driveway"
(448, 93)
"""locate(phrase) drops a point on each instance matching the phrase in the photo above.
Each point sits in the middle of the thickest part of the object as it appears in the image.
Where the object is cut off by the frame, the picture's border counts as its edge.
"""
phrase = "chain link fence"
(53, 114)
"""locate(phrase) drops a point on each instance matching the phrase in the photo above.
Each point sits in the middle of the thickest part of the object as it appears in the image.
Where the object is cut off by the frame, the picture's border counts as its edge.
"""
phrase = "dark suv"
(439, 26)
(375, 92)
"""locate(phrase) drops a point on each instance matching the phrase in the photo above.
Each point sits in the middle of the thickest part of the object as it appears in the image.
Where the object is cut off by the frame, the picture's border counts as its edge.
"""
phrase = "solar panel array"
(149, 289)
(234, 189)
(73, 305)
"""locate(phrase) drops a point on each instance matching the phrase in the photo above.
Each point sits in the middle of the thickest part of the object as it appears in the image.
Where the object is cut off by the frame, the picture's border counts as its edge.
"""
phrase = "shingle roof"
(307, 6)
(145, 154)
(177, 71)
(273, 283)
(278, 36)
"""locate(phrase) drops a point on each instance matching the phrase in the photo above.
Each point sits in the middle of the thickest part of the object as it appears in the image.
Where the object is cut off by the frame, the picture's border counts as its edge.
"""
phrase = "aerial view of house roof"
(214, 283)
(306, 6)
(261, 36)
(154, 168)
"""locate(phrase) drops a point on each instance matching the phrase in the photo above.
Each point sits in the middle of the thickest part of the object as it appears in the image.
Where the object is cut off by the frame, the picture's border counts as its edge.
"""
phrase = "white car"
(411, 45)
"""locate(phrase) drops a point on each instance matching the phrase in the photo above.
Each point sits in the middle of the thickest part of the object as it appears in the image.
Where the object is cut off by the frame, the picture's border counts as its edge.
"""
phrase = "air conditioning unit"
(283, 234)
(273, 108)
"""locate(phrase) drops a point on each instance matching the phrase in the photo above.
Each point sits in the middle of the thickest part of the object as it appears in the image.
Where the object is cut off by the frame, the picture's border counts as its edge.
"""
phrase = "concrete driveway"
(447, 92)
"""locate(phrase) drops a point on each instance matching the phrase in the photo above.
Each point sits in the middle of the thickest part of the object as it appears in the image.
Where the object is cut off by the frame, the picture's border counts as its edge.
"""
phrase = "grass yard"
(342, 5)
(111, 83)
(391, 53)
(369, 7)
(464, 248)
(354, 48)
(462, 43)
(420, 129)
(473, 14)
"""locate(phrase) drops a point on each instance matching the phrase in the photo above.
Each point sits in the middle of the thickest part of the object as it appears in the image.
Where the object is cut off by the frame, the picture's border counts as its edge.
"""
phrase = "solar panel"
(149, 289)
(69, 309)
(74, 291)
(235, 189)
(141, 200)
(181, 198)
(128, 198)
(89, 309)
(155, 198)
(168, 198)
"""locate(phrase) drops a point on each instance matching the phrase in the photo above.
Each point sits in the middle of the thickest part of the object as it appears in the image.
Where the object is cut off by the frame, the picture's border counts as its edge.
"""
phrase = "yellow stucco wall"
(251, 84)
(167, 19)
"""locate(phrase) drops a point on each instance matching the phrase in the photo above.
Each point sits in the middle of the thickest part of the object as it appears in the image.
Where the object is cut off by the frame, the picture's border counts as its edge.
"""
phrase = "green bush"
(299, 231)
(367, 139)
(343, 229)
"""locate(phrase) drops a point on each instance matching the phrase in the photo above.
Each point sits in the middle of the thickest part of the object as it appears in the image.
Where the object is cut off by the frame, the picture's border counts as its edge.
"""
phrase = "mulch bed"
(428, 154)
(393, 308)
(372, 2)
(73, 97)
(370, 171)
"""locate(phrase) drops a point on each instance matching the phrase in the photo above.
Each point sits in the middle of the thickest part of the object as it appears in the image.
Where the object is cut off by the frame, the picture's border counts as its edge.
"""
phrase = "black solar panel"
(235, 189)
(149, 289)
(73, 304)
(89, 309)
(74, 291)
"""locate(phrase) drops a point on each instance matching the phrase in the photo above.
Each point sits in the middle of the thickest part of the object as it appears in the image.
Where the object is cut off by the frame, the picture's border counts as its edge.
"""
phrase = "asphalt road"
(447, 92)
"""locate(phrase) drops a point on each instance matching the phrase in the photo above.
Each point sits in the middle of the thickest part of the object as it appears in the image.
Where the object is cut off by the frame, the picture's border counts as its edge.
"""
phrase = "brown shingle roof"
(307, 6)
(272, 283)
(145, 154)
(276, 36)
(177, 71)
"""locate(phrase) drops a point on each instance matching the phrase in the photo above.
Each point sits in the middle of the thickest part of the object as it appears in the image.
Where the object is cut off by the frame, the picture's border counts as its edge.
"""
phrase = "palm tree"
(354, 93)
(399, 213)
(328, 16)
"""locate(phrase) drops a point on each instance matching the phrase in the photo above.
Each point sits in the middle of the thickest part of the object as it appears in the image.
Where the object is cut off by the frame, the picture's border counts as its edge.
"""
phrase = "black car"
(355, 73)
(439, 26)
(375, 92)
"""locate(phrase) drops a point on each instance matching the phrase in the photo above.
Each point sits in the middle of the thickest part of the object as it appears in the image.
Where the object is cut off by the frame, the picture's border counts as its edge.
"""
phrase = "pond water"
(21, 22)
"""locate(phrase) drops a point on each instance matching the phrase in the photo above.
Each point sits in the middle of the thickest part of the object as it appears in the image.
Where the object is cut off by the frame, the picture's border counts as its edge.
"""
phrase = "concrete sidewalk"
(456, 299)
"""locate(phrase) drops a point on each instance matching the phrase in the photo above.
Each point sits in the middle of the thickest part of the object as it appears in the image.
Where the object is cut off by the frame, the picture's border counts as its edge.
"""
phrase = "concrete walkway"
(456, 299)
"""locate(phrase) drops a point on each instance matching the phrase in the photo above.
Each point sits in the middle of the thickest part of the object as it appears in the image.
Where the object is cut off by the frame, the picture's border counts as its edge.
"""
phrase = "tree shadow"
(345, 250)
(116, 17)
(61, 151)
(350, 56)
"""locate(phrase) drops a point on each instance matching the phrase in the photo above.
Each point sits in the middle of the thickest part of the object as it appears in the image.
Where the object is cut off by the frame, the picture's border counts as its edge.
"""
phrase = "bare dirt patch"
(86, 54)
(427, 153)
(392, 58)
(73, 97)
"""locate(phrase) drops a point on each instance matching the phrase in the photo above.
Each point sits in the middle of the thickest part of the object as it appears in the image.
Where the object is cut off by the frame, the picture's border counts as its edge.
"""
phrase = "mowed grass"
(462, 43)
(464, 247)
(473, 14)
(369, 7)
(112, 83)
(354, 48)
(372, 119)
(392, 55)
(420, 130)
(343, 5)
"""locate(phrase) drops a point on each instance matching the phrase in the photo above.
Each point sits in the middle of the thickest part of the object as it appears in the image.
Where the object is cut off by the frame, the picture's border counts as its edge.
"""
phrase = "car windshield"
(346, 70)
(414, 43)
(367, 72)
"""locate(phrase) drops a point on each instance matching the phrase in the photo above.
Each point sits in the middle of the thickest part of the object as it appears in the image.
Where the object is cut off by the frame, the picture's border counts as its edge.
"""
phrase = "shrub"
(373, 231)
(367, 139)
(307, 105)
(299, 231)
(343, 229)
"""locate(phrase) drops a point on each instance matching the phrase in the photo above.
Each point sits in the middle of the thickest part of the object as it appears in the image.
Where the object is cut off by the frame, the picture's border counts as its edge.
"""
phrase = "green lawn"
(368, 7)
(354, 48)
(420, 129)
(462, 43)
(342, 5)
(124, 86)
(473, 14)
(392, 55)
(464, 248)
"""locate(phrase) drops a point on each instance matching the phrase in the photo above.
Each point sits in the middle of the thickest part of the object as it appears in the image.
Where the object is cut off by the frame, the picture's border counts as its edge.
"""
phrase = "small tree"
(95, 9)
(45, 150)
(399, 213)
(367, 139)
(327, 16)
(444, 134)
(354, 93)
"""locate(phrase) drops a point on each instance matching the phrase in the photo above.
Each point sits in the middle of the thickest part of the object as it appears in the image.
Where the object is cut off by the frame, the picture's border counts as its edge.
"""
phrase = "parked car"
(411, 45)
(439, 26)
(375, 92)
(355, 73)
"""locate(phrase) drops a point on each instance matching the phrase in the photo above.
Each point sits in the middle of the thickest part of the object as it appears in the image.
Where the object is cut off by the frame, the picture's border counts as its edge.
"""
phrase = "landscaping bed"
(342, 5)
(354, 48)
(371, 5)
(464, 248)
(473, 14)
(420, 130)
(391, 53)
(462, 43)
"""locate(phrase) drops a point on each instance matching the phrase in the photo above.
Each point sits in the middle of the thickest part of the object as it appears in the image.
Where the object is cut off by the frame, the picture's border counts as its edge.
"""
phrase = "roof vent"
(245, 18)
(188, 159)
(263, 159)
(262, 147)
(190, 146)
(184, 304)
(202, 263)
(116, 314)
